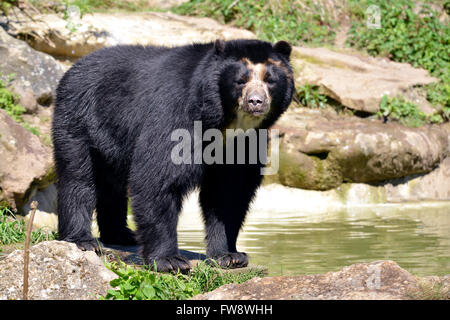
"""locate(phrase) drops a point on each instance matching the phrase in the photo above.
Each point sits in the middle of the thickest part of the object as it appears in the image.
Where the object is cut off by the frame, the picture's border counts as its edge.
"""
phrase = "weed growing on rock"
(406, 112)
(8, 102)
(140, 284)
(309, 96)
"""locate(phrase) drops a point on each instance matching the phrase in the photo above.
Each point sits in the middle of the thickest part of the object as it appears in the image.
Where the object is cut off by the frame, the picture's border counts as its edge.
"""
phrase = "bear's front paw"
(232, 260)
(89, 245)
(169, 264)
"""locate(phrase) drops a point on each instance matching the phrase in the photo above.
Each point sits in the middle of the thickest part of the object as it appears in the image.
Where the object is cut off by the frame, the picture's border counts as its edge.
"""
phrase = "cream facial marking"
(255, 99)
(256, 79)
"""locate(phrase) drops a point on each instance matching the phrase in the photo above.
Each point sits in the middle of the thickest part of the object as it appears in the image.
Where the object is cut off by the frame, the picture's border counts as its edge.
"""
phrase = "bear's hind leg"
(76, 194)
(112, 204)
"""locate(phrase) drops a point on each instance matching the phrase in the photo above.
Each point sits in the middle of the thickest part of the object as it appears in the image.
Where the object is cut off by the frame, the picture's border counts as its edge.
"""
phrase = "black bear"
(114, 115)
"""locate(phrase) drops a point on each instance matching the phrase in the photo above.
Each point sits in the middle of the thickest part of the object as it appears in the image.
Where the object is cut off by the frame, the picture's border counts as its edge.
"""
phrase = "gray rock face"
(36, 74)
(320, 151)
(25, 161)
(380, 280)
(58, 270)
(50, 33)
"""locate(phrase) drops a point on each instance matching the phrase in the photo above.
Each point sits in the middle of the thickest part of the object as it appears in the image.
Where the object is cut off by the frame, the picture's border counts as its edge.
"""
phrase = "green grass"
(430, 290)
(269, 20)
(141, 284)
(406, 36)
(12, 230)
(8, 102)
(90, 6)
(414, 35)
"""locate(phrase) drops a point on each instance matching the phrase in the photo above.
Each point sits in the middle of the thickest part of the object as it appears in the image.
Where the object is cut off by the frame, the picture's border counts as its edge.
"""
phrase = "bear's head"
(255, 81)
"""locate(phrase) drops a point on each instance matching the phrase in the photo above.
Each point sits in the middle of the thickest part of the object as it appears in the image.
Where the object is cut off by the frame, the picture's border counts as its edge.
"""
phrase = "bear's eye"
(240, 82)
(270, 80)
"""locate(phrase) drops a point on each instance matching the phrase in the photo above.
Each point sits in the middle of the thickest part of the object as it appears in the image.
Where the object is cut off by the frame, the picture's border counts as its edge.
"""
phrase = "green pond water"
(416, 236)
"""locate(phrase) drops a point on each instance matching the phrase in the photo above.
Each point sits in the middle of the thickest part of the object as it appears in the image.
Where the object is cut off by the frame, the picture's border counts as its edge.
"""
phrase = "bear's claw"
(172, 264)
(232, 260)
(89, 245)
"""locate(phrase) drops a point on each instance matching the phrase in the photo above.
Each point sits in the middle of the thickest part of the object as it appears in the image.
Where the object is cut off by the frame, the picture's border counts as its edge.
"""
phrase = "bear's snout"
(257, 102)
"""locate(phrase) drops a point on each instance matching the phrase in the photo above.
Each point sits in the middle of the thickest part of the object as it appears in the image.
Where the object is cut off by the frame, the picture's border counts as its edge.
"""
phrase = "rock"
(432, 186)
(380, 280)
(58, 270)
(357, 82)
(36, 74)
(43, 220)
(320, 151)
(26, 163)
(47, 198)
(51, 34)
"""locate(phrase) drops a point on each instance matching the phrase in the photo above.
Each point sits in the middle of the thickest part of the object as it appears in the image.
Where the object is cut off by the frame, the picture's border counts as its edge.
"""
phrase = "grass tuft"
(12, 230)
(140, 284)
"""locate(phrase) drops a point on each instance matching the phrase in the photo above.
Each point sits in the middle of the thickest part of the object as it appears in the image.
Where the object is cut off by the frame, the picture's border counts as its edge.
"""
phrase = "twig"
(26, 256)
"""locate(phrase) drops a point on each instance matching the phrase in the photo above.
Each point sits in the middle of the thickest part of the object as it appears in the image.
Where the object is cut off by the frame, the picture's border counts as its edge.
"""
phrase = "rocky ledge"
(380, 280)
(320, 150)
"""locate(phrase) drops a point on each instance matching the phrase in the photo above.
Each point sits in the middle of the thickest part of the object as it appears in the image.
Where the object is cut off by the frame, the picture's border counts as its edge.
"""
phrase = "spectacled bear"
(114, 114)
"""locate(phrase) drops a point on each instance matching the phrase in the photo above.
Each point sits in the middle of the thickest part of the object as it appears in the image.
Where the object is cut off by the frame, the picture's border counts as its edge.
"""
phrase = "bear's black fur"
(115, 111)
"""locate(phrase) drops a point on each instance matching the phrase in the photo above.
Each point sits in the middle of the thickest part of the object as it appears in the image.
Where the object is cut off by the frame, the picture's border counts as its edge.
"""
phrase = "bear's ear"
(283, 47)
(219, 46)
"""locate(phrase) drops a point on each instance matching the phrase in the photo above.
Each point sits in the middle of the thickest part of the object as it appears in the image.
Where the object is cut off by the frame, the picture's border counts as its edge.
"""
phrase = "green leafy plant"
(309, 96)
(439, 95)
(141, 284)
(398, 108)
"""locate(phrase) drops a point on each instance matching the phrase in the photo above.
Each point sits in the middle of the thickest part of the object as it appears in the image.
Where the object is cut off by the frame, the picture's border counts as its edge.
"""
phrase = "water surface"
(416, 236)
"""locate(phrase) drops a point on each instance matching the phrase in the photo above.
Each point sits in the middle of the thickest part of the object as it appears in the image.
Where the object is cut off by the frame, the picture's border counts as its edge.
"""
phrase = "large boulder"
(26, 163)
(58, 270)
(356, 81)
(36, 74)
(320, 150)
(380, 280)
(52, 34)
